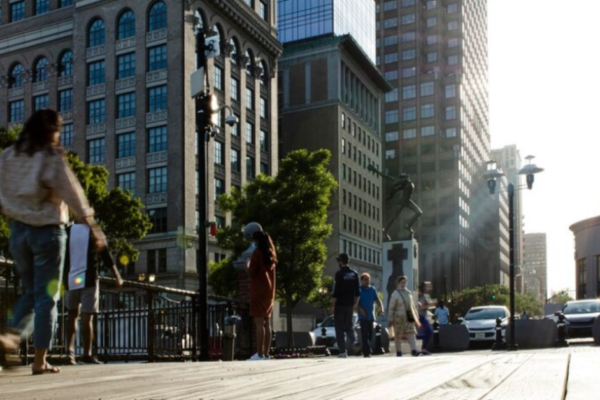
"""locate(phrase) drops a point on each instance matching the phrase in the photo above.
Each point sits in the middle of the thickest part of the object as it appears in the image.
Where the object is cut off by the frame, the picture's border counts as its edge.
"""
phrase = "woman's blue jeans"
(39, 254)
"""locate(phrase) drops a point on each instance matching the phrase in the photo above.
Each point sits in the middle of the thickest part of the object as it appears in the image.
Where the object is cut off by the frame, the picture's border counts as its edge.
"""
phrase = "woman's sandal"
(46, 369)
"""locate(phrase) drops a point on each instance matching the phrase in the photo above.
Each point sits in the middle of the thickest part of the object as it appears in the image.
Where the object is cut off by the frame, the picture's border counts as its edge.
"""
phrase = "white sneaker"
(255, 357)
(265, 358)
(343, 355)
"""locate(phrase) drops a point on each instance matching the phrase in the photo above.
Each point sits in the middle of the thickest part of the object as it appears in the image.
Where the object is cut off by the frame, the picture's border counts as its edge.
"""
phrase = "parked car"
(331, 342)
(580, 316)
(481, 322)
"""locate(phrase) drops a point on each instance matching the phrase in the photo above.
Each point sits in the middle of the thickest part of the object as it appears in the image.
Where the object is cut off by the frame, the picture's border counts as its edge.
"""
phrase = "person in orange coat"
(261, 269)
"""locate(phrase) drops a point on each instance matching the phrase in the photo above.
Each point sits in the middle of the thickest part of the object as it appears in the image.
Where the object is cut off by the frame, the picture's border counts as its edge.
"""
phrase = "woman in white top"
(403, 316)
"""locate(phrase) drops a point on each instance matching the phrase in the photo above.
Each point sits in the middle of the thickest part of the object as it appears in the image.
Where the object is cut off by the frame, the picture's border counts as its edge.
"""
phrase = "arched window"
(41, 70)
(248, 62)
(126, 25)
(233, 51)
(157, 17)
(65, 66)
(16, 76)
(264, 73)
(96, 33)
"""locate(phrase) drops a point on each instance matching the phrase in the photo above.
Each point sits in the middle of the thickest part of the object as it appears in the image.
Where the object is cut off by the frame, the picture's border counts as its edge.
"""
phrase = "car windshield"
(485, 313)
(327, 322)
(582, 307)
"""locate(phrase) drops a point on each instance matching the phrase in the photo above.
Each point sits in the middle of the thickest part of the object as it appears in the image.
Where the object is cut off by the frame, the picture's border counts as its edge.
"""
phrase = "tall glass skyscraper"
(303, 19)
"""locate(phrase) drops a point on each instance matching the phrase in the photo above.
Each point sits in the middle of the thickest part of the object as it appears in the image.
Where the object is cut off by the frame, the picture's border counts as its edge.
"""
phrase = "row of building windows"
(425, 131)
(16, 10)
(411, 36)
(362, 136)
(361, 229)
(425, 89)
(360, 205)
(361, 253)
(429, 5)
(426, 111)
(359, 181)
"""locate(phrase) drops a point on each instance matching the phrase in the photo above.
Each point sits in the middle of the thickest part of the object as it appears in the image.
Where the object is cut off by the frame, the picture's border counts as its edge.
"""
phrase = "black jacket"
(346, 287)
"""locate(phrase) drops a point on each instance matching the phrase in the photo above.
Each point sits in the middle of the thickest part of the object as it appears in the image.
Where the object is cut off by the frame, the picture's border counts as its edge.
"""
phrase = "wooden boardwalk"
(550, 374)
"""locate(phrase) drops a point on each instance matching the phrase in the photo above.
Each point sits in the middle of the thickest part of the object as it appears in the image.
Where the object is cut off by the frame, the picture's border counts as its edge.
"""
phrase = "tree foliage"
(486, 295)
(292, 208)
(118, 213)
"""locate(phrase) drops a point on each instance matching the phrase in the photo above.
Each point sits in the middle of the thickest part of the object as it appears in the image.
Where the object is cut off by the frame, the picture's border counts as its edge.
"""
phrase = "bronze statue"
(404, 184)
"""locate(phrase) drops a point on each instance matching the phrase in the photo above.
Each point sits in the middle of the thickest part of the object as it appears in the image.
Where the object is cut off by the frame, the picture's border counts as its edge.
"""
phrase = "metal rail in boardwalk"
(141, 321)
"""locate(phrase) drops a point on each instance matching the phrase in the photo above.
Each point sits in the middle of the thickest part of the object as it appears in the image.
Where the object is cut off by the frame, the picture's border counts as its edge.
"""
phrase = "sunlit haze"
(543, 58)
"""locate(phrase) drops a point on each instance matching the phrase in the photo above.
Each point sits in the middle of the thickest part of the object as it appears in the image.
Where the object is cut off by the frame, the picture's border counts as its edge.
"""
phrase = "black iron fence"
(143, 321)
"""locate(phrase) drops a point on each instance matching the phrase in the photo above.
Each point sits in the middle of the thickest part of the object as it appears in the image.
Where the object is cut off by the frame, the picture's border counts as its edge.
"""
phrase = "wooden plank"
(583, 376)
(475, 384)
(543, 376)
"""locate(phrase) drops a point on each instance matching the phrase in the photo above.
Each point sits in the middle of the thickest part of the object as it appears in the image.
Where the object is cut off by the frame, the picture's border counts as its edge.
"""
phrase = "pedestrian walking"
(261, 269)
(37, 190)
(345, 300)
(425, 303)
(442, 313)
(403, 317)
(80, 278)
(366, 315)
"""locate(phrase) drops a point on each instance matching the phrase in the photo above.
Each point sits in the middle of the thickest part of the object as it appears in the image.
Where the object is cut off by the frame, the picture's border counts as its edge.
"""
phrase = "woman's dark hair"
(266, 247)
(402, 278)
(423, 285)
(38, 131)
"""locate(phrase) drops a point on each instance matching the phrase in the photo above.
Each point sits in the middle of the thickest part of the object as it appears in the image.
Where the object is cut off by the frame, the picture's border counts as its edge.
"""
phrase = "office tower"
(119, 72)
(331, 97)
(436, 129)
(301, 19)
(535, 272)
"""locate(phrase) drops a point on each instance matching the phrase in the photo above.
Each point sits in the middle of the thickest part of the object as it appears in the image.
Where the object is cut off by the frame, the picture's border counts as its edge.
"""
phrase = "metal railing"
(143, 321)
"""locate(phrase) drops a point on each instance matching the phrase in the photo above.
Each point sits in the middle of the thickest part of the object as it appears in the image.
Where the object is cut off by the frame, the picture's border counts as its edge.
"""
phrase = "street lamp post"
(491, 174)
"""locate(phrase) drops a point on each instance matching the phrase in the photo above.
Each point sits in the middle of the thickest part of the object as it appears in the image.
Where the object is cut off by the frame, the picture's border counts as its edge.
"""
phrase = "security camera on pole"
(207, 109)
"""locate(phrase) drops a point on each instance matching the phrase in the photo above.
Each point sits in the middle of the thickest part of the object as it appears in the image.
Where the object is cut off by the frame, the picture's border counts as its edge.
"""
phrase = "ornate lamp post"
(491, 174)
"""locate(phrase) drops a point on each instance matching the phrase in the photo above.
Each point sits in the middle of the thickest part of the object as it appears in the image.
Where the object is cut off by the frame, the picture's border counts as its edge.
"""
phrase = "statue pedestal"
(400, 257)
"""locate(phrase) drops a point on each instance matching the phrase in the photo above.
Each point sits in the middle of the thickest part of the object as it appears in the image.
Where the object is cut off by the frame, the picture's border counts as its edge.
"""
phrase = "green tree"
(292, 208)
(560, 297)
(7, 138)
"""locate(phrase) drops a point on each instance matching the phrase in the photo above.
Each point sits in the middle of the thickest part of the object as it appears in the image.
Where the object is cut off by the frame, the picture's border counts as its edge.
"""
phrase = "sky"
(544, 88)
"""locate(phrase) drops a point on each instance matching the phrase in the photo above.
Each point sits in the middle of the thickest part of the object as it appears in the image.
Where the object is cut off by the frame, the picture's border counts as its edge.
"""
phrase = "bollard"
(499, 344)
(378, 350)
(436, 336)
(229, 337)
(273, 341)
(324, 341)
(561, 328)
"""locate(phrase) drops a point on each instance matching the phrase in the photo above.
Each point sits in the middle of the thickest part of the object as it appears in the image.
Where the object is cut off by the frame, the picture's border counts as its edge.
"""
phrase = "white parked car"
(481, 322)
(331, 341)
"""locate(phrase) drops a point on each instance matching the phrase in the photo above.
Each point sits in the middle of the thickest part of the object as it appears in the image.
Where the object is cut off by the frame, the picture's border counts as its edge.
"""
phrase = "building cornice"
(251, 24)
(585, 224)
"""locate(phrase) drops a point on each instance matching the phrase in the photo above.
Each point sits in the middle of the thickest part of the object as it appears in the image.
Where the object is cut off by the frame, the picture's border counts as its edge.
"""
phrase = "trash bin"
(229, 328)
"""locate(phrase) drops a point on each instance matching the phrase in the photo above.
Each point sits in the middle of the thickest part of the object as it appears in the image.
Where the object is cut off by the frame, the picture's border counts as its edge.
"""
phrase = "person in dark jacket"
(83, 288)
(346, 292)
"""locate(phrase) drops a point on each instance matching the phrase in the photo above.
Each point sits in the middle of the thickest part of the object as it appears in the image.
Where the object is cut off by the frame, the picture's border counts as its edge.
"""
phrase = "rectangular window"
(218, 78)
(391, 136)
(42, 6)
(65, 100)
(250, 168)
(264, 144)
(126, 182)
(66, 136)
(96, 73)
(452, 25)
(427, 130)
(219, 187)
(151, 262)
(409, 54)
(157, 98)
(453, 59)
(17, 11)
(390, 23)
(96, 111)
(96, 151)
(65, 3)
(453, 42)
(450, 113)
(408, 72)
(391, 116)
(235, 89)
(264, 168)
(262, 10)
(157, 58)
(219, 152)
(450, 132)
(409, 133)
(125, 65)
(391, 40)
(390, 154)
(427, 111)
(409, 92)
(391, 75)
(126, 145)
(40, 102)
(409, 114)
(390, 58)
(235, 160)
(391, 96)
(158, 218)
(427, 89)
(431, 57)
(162, 260)
(157, 139)
(126, 105)
(431, 39)
(249, 99)
(452, 8)
(157, 180)
(390, 5)
(263, 108)
(406, 3)
(431, 4)
(249, 133)
(408, 19)
(431, 21)
(450, 91)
